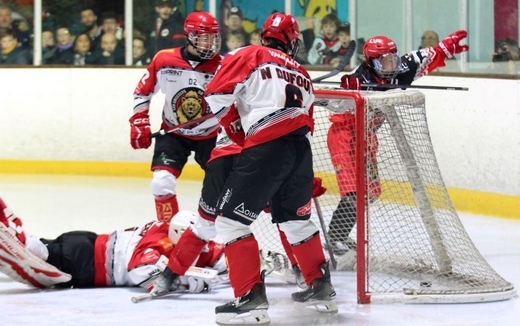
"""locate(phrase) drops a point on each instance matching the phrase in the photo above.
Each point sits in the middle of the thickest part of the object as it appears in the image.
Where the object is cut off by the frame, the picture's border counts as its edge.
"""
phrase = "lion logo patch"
(189, 104)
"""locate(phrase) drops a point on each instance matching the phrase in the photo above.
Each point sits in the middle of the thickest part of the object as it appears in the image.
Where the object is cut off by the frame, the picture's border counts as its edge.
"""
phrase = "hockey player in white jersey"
(274, 101)
(181, 74)
(127, 257)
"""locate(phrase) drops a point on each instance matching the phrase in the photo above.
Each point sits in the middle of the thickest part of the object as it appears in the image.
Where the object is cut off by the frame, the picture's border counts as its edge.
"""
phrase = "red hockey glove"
(317, 188)
(350, 82)
(140, 131)
(235, 132)
(450, 45)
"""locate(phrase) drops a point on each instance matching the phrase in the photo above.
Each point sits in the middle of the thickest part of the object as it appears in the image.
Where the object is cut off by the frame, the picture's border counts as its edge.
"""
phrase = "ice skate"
(250, 309)
(319, 295)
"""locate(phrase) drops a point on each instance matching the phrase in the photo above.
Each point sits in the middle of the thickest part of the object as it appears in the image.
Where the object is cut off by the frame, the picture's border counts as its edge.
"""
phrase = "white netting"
(417, 248)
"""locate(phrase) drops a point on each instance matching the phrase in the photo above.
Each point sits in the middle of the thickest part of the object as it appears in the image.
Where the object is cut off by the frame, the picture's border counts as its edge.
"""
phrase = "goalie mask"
(382, 56)
(179, 223)
(284, 30)
(203, 33)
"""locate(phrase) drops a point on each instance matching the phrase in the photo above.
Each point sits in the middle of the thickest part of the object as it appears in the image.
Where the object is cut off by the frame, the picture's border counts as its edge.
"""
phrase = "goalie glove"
(451, 44)
(140, 130)
(194, 284)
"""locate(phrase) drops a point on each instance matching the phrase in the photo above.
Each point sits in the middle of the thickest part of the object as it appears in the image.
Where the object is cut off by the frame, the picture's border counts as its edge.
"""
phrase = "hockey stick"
(393, 86)
(345, 60)
(322, 223)
(163, 132)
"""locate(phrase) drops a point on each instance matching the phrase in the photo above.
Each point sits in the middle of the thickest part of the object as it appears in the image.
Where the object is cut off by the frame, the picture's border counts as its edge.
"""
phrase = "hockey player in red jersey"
(194, 239)
(129, 257)
(274, 97)
(382, 65)
(181, 74)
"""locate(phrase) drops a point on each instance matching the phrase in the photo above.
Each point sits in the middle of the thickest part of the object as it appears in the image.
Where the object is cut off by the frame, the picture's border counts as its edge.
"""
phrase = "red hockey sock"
(310, 257)
(185, 252)
(166, 206)
(243, 265)
(286, 246)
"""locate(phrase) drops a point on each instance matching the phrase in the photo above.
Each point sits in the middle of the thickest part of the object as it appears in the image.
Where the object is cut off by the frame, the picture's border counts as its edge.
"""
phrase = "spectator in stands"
(429, 39)
(234, 23)
(140, 56)
(110, 25)
(255, 38)
(344, 38)
(82, 49)
(110, 53)
(506, 57)
(64, 54)
(12, 54)
(327, 42)
(48, 46)
(20, 29)
(169, 28)
(89, 21)
(234, 40)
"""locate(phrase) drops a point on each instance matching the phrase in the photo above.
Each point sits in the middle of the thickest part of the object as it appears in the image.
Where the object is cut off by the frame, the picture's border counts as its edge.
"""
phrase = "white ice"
(51, 205)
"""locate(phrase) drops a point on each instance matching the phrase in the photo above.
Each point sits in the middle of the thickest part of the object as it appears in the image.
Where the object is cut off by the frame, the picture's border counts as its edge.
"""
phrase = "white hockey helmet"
(179, 223)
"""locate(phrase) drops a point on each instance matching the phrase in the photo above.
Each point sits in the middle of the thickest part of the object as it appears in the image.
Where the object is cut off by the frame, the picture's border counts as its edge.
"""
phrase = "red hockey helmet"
(203, 33)
(382, 56)
(283, 28)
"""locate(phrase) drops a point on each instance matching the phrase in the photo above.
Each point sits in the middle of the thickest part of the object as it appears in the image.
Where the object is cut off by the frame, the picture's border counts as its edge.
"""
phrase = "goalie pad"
(22, 265)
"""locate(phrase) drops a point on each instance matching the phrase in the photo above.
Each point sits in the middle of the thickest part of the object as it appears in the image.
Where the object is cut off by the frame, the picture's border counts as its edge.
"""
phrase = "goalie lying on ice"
(85, 259)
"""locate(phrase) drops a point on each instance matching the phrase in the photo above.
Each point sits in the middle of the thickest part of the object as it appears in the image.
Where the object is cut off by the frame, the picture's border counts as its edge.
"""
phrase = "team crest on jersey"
(189, 104)
(165, 32)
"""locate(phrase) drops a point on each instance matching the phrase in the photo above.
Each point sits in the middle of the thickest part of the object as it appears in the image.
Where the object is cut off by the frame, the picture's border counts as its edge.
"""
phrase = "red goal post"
(408, 243)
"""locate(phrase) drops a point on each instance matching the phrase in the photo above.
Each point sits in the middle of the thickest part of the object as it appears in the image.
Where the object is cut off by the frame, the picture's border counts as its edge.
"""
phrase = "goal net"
(387, 213)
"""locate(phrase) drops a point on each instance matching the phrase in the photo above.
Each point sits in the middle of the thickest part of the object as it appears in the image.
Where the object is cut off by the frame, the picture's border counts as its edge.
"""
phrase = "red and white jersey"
(224, 146)
(183, 83)
(273, 93)
(128, 257)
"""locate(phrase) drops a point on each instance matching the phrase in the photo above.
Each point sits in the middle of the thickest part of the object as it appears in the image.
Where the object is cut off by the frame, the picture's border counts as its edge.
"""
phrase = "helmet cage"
(387, 65)
(207, 45)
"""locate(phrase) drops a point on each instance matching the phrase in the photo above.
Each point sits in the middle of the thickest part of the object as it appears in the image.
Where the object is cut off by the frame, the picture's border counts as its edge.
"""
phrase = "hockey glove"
(140, 130)
(235, 132)
(195, 284)
(350, 82)
(167, 281)
(450, 45)
(317, 188)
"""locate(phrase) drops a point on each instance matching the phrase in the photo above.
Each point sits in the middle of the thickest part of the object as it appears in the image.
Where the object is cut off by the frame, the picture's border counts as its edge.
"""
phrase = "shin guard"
(310, 257)
(166, 207)
(286, 246)
(243, 264)
(185, 252)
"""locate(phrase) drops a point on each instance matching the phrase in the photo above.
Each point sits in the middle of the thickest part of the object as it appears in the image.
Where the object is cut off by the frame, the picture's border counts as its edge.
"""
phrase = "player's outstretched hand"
(140, 131)
(451, 44)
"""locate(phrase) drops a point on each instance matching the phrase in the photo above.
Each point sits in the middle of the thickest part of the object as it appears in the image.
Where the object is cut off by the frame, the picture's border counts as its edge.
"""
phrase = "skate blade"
(321, 306)
(253, 317)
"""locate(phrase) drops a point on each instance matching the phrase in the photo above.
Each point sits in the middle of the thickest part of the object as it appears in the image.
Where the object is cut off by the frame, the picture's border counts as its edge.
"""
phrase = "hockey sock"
(166, 206)
(309, 254)
(185, 252)
(243, 264)
(287, 246)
